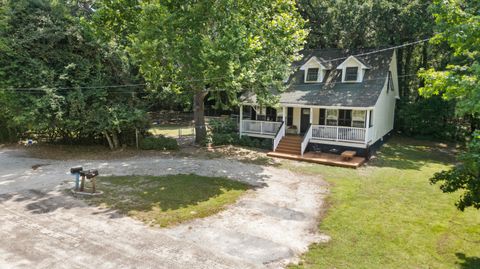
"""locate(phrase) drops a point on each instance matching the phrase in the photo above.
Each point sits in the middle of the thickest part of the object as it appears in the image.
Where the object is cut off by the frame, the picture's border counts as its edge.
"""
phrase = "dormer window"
(353, 70)
(351, 73)
(315, 69)
(312, 74)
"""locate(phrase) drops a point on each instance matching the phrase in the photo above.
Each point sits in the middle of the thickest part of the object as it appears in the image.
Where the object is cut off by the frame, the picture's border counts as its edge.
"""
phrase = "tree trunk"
(116, 143)
(199, 117)
(110, 144)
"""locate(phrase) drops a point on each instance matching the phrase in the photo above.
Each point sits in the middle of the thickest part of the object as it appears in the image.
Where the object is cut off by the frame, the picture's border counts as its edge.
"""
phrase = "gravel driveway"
(42, 228)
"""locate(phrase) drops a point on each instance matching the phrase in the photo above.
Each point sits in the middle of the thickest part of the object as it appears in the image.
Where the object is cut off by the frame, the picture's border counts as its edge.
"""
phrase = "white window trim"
(313, 62)
(319, 75)
(360, 71)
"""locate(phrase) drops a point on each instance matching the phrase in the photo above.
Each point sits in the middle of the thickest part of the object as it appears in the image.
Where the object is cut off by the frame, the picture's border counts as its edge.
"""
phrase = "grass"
(172, 130)
(167, 200)
(387, 215)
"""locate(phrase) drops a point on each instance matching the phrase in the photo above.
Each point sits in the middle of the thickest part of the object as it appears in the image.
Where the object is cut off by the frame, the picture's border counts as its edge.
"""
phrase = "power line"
(382, 50)
(203, 79)
(296, 85)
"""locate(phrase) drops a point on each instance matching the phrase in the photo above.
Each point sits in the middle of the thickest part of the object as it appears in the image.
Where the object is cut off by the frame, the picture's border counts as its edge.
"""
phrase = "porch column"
(311, 115)
(367, 124)
(284, 113)
(240, 128)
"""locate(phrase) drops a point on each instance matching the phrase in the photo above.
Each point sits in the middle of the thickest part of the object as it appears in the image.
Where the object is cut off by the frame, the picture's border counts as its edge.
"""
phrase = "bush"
(224, 132)
(159, 143)
(222, 126)
(224, 139)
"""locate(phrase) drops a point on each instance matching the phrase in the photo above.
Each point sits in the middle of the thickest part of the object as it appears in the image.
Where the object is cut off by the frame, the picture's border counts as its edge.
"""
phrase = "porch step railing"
(306, 139)
(338, 133)
(260, 127)
(280, 134)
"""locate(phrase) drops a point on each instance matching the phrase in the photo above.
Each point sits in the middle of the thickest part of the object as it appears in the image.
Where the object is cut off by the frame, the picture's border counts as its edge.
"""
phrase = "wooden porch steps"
(290, 144)
(290, 148)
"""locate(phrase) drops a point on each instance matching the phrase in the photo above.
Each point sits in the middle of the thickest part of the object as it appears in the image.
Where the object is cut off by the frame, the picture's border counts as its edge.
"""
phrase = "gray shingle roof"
(332, 92)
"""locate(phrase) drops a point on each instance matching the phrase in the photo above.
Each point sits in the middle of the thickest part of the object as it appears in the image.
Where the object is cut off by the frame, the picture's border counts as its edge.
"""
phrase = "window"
(321, 120)
(351, 73)
(390, 82)
(271, 114)
(345, 117)
(289, 116)
(332, 117)
(370, 124)
(312, 74)
(358, 118)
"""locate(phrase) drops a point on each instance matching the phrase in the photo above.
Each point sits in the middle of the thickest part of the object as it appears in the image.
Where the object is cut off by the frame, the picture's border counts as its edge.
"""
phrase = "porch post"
(367, 124)
(311, 115)
(240, 128)
(284, 113)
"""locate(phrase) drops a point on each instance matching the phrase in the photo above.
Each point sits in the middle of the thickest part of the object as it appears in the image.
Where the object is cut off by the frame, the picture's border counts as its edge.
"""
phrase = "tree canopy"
(55, 76)
(458, 25)
(221, 48)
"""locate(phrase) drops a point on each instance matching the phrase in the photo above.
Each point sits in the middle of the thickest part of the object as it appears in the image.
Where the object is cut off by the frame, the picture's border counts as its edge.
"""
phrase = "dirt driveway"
(43, 228)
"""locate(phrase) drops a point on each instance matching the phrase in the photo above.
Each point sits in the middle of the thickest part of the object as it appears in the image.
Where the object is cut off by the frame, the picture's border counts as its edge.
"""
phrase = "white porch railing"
(306, 139)
(339, 133)
(260, 127)
(280, 134)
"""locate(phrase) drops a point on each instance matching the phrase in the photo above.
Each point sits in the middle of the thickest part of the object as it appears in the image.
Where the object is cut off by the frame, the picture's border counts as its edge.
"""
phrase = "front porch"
(348, 127)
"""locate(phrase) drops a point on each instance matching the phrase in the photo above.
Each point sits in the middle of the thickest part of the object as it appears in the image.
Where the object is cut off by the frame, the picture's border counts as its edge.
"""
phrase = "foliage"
(429, 118)
(465, 176)
(168, 200)
(224, 132)
(387, 215)
(218, 47)
(458, 24)
(223, 126)
(159, 143)
(55, 76)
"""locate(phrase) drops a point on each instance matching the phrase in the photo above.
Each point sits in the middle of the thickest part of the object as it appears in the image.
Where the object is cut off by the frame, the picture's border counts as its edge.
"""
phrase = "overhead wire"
(42, 89)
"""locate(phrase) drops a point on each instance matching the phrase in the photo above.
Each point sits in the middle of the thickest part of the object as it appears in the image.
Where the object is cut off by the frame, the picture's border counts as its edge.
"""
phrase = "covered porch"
(342, 126)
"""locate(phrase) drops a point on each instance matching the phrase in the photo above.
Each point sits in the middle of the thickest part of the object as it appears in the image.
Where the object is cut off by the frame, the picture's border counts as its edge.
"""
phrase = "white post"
(311, 115)
(367, 126)
(240, 128)
(284, 113)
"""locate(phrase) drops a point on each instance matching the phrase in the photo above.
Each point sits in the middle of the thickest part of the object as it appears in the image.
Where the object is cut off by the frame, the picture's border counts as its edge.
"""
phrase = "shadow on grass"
(405, 153)
(171, 192)
(467, 262)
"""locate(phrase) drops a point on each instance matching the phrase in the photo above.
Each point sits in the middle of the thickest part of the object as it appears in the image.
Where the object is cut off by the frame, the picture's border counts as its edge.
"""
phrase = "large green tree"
(221, 47)
(55, 77)
(458, 25)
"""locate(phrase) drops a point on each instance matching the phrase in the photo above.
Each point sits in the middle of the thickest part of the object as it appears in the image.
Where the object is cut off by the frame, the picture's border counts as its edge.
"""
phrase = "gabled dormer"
(315, 70)
(353, 70)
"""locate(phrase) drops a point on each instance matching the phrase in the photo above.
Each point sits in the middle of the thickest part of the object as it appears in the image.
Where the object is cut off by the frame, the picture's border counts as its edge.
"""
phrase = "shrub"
(224, 132)
(224, 139)
(159, 143)
(222, 126)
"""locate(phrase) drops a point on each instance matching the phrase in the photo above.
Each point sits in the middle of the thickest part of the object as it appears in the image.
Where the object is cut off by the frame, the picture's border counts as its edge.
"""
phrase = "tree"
(221, 47)
(458, 25)
(55, 77)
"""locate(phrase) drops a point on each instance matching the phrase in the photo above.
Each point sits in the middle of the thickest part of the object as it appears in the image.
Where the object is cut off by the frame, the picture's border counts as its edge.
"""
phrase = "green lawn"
(387, 215)
(167, 200)
(172, 130)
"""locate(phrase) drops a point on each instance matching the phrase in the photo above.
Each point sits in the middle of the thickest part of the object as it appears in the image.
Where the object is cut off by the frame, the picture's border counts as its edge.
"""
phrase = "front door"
(304, 120)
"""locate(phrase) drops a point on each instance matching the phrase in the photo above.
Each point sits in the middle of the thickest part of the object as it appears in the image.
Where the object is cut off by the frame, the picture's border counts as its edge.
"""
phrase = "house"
(336, 100)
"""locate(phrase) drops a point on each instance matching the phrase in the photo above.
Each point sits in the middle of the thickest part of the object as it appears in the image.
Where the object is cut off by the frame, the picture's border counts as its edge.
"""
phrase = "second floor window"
(312, 74)
(351, 73)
